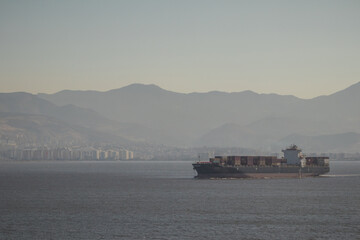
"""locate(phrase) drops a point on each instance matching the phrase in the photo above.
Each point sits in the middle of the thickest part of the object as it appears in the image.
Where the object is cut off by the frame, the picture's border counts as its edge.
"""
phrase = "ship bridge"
(293, 155)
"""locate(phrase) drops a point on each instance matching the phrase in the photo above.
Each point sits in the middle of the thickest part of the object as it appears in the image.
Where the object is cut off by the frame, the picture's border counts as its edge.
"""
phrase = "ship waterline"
(217, 171)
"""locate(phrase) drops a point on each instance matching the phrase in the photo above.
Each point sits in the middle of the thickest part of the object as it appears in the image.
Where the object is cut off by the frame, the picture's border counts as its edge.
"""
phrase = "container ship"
(293, 165)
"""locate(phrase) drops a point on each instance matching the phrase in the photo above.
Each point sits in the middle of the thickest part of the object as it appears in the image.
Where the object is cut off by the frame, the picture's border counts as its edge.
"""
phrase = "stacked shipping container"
(264, 161)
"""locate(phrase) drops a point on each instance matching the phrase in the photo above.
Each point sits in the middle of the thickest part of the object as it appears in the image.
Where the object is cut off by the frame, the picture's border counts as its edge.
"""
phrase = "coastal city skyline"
(181, 119)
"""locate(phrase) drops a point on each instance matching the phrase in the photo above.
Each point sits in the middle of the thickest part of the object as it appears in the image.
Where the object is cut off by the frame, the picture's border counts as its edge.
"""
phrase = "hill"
(219, 118)
(27, 119)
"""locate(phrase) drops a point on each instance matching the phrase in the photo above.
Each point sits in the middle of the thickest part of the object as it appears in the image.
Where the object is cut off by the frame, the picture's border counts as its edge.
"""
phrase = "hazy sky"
(303, 48)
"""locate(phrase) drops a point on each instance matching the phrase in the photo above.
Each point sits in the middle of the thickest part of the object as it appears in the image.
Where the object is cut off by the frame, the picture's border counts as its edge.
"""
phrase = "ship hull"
(217, 171)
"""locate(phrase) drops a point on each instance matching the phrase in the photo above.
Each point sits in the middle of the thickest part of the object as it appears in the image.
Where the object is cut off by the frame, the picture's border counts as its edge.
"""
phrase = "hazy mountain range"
(27, 118)
(147, 113)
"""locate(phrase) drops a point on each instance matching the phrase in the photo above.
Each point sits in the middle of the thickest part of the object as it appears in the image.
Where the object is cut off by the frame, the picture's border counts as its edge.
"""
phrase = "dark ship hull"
(213, 170)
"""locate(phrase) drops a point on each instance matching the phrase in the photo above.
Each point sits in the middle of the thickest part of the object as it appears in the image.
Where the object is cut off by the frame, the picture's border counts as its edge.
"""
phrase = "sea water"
(162, 200)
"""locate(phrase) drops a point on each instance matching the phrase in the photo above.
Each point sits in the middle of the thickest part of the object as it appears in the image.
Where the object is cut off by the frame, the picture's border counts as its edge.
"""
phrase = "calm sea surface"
(161, 200)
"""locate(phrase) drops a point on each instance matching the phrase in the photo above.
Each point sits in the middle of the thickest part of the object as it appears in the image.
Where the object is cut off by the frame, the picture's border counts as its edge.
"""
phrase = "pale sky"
(302, 48)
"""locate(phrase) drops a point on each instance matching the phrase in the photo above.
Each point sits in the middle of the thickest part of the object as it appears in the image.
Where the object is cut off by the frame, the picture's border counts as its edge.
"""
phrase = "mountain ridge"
(149, 113)
(154, 86)
(186, 118)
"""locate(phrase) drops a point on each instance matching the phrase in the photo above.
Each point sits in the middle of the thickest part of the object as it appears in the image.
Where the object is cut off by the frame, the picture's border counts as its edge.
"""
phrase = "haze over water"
(159, 80)
(161, 200)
